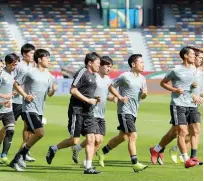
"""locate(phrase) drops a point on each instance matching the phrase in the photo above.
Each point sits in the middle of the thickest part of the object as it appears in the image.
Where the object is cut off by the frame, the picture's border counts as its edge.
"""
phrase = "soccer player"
(80, 112)
(37, 84)
(194, 122)
(27, 52)
(182, 78)
(103, 82)
(133, 85)
(6, 113)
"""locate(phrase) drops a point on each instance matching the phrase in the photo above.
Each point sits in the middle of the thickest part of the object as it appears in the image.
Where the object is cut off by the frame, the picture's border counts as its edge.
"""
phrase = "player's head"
(198, 57)
(136, 63)
(1, 65)
(187, 54)
(92, 61)
(106, 65)
(42, 58)
(11, 61)
(27, 51)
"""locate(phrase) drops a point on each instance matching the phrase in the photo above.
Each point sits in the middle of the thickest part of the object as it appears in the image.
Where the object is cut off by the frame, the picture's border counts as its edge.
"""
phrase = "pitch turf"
(152, 123)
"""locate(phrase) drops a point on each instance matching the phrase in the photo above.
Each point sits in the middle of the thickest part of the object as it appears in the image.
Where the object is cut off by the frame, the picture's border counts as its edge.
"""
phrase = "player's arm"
(20, 90)
(52, 91)
(113, 91)
(6, 96)
(75, 92)
(165, 84)
(112, 98)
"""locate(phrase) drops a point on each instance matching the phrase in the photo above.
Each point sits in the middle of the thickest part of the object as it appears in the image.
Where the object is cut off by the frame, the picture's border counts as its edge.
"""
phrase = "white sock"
(185, 157)
(88, 164)
(157, 148)
(54, 148)
(84, 163)
(78, 147)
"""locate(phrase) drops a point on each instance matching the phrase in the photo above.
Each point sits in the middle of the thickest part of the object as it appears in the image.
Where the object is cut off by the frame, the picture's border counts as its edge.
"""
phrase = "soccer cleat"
(50, 155)
(28, 158)
(5, 161)
(101, 158)
(16, 167)
(173, 152)
(181, 160)
(21, 162)
(160, 158)
(190, 163)
(197, 160)
(154, 155)
(91, 171)
(75, 155)
(139, 167)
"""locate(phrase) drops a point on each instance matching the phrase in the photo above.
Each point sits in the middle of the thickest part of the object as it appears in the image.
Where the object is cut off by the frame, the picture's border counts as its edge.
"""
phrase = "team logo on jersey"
(90, 80)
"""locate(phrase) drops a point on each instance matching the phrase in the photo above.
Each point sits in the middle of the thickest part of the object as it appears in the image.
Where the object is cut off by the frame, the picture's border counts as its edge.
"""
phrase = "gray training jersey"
(130, 86)
(199, 89)
(21, 69)
(38, 84)
(182, 77)
(101, 91)
(6, 87)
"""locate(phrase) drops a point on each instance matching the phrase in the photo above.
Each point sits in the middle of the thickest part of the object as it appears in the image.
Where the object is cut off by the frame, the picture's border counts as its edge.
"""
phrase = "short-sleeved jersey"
(130, 86)
(183, 78)
(6, 87)
(103, 84)
(38, 84)
(199, 89)
(85, 82)
(21, 69)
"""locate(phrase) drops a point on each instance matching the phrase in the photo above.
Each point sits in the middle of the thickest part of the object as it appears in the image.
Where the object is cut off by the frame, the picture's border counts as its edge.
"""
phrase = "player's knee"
(98, 141)
(132, 137)
(182, 132)
(75, 141)
(10, 133)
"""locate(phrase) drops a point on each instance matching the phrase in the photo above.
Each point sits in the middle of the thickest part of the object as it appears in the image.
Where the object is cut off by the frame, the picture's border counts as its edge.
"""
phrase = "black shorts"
(17, 110)
(80, 122)
(100, 126)
(126, 123)
(33, 120)
(179, 115)
(194, 115)
(7, 118)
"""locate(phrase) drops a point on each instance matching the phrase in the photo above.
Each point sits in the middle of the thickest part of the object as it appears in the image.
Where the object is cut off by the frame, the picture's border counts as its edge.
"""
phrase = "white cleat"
(21, 162)
(28, 158)
(17, 167)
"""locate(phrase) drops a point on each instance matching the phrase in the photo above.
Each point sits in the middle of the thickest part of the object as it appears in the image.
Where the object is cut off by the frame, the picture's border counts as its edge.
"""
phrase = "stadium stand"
(68, 34)
(165, 42)
(7, 43)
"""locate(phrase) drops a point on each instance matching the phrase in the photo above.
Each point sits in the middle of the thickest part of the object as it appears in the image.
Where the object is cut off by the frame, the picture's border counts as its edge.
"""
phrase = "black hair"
(197, 51)
(133, 58)
(26, 48)
(91, 57)
(10, 58)
(40, 53)
(185, 50)
(106, 60)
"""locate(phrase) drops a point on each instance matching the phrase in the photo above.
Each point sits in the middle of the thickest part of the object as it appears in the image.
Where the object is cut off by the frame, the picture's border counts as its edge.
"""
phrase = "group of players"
(86, 113)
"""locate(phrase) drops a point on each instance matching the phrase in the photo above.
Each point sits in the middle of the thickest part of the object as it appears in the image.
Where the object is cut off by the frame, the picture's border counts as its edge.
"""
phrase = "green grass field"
(152, 124)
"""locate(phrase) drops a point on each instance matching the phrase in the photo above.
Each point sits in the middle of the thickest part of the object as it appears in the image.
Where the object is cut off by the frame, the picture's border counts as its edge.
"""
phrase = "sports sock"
(133, 159)
(106, 149)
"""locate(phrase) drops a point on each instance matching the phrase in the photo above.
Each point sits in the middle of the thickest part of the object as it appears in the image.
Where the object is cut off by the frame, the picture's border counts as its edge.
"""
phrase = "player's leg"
(194, 129)
(9, 122)
(74, 128)
(89, 129)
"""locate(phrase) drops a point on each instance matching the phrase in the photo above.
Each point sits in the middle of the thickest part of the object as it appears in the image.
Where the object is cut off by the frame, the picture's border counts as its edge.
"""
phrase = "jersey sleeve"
(23, 79)
(144, 83)
(118, 81)
(79, 78)
(170, 75)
